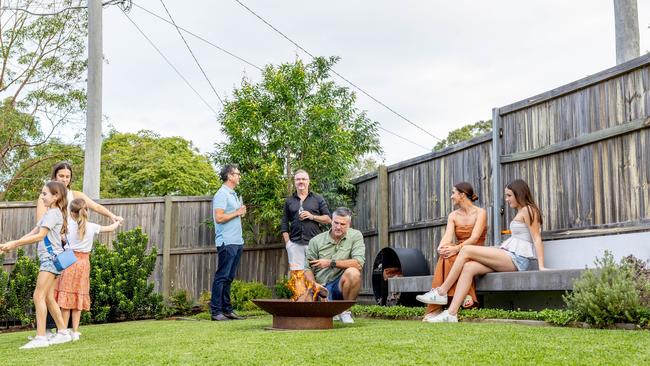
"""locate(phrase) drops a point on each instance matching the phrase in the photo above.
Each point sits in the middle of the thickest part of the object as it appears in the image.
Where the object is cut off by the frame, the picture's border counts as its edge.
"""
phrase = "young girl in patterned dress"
(73, 289)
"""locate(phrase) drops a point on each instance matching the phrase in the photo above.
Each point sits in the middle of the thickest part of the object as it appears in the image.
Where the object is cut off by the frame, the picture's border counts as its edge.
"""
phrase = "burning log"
(305, 290)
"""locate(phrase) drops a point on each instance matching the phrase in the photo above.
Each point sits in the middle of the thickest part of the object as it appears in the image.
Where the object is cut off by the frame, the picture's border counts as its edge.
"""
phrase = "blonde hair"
(59, 190)
(79, 212)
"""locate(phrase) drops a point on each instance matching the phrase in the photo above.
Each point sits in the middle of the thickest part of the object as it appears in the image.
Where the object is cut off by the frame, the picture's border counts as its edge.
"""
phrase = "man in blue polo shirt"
(227, 210)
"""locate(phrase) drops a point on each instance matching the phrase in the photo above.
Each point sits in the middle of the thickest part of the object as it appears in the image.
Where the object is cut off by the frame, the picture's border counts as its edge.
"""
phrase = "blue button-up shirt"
(229, 232)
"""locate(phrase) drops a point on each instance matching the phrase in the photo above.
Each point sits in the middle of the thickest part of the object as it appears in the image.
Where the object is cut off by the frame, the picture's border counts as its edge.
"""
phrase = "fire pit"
(288, 314)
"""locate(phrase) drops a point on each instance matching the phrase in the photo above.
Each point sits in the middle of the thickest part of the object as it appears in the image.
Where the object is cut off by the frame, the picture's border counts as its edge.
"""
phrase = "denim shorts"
(47, 265)
(334, 289)
(522, 263)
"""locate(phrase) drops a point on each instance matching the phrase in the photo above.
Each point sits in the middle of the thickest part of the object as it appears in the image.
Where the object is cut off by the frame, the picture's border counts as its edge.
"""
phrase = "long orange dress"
(463, 232)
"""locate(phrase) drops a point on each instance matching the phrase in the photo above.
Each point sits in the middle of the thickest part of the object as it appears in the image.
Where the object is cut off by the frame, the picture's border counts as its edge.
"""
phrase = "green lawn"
(367, 342)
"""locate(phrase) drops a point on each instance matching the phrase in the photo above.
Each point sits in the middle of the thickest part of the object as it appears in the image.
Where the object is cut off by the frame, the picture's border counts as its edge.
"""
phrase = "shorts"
(522, 263)
(297, 255)
(334, 290)
(47, 264)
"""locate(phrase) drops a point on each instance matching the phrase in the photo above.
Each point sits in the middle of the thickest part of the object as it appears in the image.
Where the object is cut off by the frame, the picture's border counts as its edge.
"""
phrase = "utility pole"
(92, 155)
(626, 19)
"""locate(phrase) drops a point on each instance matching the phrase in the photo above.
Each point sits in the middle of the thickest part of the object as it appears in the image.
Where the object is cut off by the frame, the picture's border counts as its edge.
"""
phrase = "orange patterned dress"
(463, 232)
(73, 287)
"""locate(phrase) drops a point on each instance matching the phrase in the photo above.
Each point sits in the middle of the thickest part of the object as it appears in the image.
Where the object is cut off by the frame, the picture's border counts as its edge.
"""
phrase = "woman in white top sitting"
(515, 254)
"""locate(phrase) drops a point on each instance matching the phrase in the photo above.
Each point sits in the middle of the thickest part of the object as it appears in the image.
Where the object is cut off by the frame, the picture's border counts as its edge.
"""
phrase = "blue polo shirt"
(228, 232)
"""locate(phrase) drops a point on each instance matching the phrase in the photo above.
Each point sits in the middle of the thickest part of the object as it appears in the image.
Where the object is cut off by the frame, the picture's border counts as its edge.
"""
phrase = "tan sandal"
(468, 302)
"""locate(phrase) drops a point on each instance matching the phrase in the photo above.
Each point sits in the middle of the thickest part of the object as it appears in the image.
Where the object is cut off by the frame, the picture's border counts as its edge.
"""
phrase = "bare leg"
(53, 306)
(350, 283)
(76, 318)
(65, 313)
(470, 269)
(40, 295)
(496, 259)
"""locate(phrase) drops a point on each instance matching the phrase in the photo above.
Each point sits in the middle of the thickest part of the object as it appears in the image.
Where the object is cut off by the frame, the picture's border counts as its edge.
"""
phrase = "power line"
(192, 53)
(169, 63)
(405, 139)
(248, 62)
(336, 73)
(199, 37)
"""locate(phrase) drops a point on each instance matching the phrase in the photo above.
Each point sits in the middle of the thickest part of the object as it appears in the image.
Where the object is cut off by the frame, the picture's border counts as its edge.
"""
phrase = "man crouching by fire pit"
(335, 258)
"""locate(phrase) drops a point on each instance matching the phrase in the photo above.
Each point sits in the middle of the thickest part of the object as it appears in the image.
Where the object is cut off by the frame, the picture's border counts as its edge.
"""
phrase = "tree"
(465, 133)
(42, 69)
(28, 178)
(295, 117)
(144, 164)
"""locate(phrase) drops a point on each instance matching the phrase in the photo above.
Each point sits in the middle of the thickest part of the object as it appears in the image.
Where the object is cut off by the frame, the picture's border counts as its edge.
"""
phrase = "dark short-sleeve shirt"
(301, 232)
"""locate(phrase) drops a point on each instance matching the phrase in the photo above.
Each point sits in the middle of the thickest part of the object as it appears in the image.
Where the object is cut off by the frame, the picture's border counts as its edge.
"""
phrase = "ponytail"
(79, 212)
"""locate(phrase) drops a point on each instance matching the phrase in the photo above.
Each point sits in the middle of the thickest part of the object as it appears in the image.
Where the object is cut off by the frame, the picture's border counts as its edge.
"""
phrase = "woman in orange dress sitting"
(468, 224)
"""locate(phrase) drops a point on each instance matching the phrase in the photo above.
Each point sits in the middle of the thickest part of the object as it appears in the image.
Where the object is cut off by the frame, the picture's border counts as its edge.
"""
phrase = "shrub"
(241, 294)
(20, 288)
(281, 289)
(387, 312)
(642, 274)
(204, 300)
(119, 286)
(181, 302)
(608, 294)
(559, 317)
(556, 317)
(4, 284)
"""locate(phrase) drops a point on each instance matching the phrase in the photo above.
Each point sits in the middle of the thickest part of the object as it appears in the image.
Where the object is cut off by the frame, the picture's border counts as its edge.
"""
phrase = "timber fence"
(584, 148)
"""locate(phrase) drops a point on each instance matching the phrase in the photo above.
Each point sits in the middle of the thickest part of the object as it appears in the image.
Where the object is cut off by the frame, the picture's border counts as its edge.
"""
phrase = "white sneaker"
(63, 336)
(432, 297)
(443, 317)
(37, 342)
(49, 333)
(75, 336)
(428, 317)
(346, 317)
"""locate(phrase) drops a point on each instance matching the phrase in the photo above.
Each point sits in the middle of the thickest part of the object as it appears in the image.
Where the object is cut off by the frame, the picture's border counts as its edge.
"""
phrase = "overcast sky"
(442, 64)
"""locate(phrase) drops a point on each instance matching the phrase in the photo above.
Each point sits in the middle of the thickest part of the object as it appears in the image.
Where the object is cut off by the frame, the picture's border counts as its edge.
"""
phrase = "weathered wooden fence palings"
(584, 148)
(416, 201)
(179, 230)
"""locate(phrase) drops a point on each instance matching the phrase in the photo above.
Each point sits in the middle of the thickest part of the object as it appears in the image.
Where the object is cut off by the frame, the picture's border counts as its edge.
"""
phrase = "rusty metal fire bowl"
(288, 314)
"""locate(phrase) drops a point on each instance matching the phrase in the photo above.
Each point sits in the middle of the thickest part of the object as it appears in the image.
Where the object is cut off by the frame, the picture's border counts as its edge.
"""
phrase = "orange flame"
(304, 289)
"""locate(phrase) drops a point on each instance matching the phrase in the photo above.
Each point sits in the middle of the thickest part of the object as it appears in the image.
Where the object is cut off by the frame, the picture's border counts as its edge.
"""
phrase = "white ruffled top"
(520, 242)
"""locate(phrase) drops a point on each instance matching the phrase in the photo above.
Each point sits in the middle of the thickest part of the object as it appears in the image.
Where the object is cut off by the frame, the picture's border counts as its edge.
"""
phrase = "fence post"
(497, 186)
(382, 206)
(167, 241)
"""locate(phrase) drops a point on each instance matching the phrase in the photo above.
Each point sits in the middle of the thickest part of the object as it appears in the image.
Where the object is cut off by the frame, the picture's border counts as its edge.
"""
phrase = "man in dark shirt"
(303, 212)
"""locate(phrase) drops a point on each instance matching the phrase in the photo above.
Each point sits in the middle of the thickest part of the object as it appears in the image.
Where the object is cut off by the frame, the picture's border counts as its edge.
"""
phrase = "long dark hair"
(58, 189)
(467, 189)
(59, 166)
(522, 194)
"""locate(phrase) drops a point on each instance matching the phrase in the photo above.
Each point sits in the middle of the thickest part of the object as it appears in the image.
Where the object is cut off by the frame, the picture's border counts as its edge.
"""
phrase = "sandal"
(468, 302)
